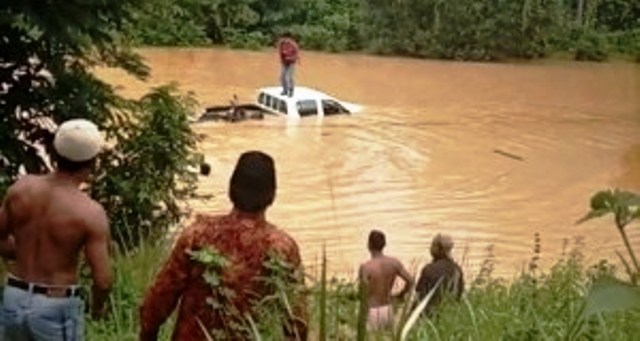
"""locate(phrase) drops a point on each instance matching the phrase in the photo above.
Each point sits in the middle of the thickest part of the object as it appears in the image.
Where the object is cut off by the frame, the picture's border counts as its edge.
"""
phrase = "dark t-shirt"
(453, 281)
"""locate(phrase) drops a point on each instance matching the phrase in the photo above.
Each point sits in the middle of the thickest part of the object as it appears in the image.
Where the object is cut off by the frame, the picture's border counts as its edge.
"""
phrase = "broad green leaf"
(609, 295)
(211, 278)
(602, 201)
(625, 205)
(593, 214)
(627, 198)
(209, 256)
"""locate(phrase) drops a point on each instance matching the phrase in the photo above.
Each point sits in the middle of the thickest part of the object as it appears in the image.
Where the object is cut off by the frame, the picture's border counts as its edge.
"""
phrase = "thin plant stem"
(323, 297)
(626, 265)
(628, 245)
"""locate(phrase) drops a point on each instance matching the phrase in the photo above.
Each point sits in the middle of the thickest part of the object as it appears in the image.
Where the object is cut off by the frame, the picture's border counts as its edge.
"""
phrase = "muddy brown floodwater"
(489, 153)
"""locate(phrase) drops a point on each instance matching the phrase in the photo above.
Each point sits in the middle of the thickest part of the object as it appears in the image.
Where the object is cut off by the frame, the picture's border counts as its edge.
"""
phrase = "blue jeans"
(28, 316)
(286, 78)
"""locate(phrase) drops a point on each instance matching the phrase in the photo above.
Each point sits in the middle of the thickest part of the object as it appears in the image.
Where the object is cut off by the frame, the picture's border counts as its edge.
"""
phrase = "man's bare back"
(379, 275)
(50, 221)
(46, 221)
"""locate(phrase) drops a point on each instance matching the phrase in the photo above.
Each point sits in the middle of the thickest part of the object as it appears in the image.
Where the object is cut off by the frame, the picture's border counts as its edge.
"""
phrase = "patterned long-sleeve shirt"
(245, 241)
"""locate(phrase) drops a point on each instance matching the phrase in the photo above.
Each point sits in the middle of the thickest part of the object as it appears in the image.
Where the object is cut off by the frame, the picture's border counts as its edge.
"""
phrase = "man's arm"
(97, 255)
(163, 295)
(408, 279)
(7, 244)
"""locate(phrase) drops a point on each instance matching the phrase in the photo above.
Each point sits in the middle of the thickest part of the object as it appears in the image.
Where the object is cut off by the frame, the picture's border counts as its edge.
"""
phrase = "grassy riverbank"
(533, 305)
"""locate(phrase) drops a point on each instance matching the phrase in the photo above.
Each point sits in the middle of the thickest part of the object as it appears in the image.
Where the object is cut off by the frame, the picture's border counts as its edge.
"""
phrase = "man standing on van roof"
(46, 221)
(289, 55)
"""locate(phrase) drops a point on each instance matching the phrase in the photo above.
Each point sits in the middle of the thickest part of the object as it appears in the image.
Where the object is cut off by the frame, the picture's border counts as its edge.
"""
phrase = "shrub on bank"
(591, 47)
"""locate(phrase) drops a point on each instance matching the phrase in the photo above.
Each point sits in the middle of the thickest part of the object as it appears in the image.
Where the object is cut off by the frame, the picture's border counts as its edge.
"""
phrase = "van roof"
(299, 93)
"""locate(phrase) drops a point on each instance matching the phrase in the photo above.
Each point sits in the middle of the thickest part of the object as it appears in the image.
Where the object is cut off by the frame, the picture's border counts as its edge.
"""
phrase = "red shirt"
(244, 240)
(288, 50)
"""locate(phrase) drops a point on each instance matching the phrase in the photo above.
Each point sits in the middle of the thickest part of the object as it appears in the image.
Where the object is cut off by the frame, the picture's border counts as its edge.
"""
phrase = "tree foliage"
(47, 53)
(167, 22)
(461, 29)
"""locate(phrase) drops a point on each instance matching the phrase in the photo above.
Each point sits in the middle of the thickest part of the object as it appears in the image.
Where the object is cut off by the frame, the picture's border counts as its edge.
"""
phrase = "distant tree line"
(460, 29)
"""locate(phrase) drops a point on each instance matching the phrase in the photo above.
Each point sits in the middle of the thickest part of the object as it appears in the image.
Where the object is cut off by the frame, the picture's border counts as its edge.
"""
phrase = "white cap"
(78, 140)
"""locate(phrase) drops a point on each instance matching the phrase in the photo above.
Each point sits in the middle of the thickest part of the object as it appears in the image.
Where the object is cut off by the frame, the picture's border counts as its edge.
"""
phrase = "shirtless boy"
(45, 224)
(378, 275)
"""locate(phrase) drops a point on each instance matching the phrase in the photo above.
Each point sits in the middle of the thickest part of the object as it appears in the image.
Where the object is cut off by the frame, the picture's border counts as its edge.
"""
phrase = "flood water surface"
(489, 153)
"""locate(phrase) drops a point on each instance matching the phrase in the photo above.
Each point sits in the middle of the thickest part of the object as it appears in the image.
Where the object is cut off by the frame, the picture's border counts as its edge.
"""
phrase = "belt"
(50, 291)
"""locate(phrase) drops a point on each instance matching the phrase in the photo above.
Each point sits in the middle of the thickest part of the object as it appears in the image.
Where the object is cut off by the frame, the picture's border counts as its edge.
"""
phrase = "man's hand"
(98, 306)
(408, 280)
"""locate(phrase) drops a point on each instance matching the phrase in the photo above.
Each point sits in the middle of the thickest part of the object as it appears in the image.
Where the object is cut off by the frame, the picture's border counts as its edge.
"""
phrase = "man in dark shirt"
(442, 267)
(243, 242)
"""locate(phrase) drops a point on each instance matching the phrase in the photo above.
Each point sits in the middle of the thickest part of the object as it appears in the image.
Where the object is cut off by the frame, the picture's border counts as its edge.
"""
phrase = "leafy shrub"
(145, 175)
(591, 47)
(45, 79)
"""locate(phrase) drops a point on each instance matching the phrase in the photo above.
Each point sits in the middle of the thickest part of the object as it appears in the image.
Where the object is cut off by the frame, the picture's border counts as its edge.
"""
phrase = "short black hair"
(377, 240)
(205, 169)
(66, 165)
(253, 184)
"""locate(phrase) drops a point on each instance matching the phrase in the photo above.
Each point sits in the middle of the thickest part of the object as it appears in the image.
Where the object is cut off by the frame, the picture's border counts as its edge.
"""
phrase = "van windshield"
(331, 107)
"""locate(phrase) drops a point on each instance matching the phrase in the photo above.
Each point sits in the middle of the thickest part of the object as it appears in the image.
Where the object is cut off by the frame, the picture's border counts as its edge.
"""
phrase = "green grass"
(532, 306)
(134, 271)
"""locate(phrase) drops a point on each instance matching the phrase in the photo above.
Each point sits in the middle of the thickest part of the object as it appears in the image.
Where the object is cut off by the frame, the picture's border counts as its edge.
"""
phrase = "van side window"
(307, 107)
(261, 98)
(282, 107)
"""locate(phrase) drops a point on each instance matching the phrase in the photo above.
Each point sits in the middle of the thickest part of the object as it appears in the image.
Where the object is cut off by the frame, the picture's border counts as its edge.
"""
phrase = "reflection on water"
(489, 153)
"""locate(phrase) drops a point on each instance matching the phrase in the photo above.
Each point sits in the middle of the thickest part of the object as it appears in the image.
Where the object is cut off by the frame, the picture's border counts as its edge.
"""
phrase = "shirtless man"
(45, 224)
(378, 275)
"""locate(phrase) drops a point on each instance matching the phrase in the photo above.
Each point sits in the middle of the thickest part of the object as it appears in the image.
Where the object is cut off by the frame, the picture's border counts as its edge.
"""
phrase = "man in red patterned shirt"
(222, 298)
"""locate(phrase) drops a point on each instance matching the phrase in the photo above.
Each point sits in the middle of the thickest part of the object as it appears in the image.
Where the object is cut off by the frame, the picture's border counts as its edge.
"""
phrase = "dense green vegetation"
(463, 29)
(47, 52)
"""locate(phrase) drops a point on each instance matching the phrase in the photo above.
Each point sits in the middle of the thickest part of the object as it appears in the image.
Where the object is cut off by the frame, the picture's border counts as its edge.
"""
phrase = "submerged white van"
(304, 102)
